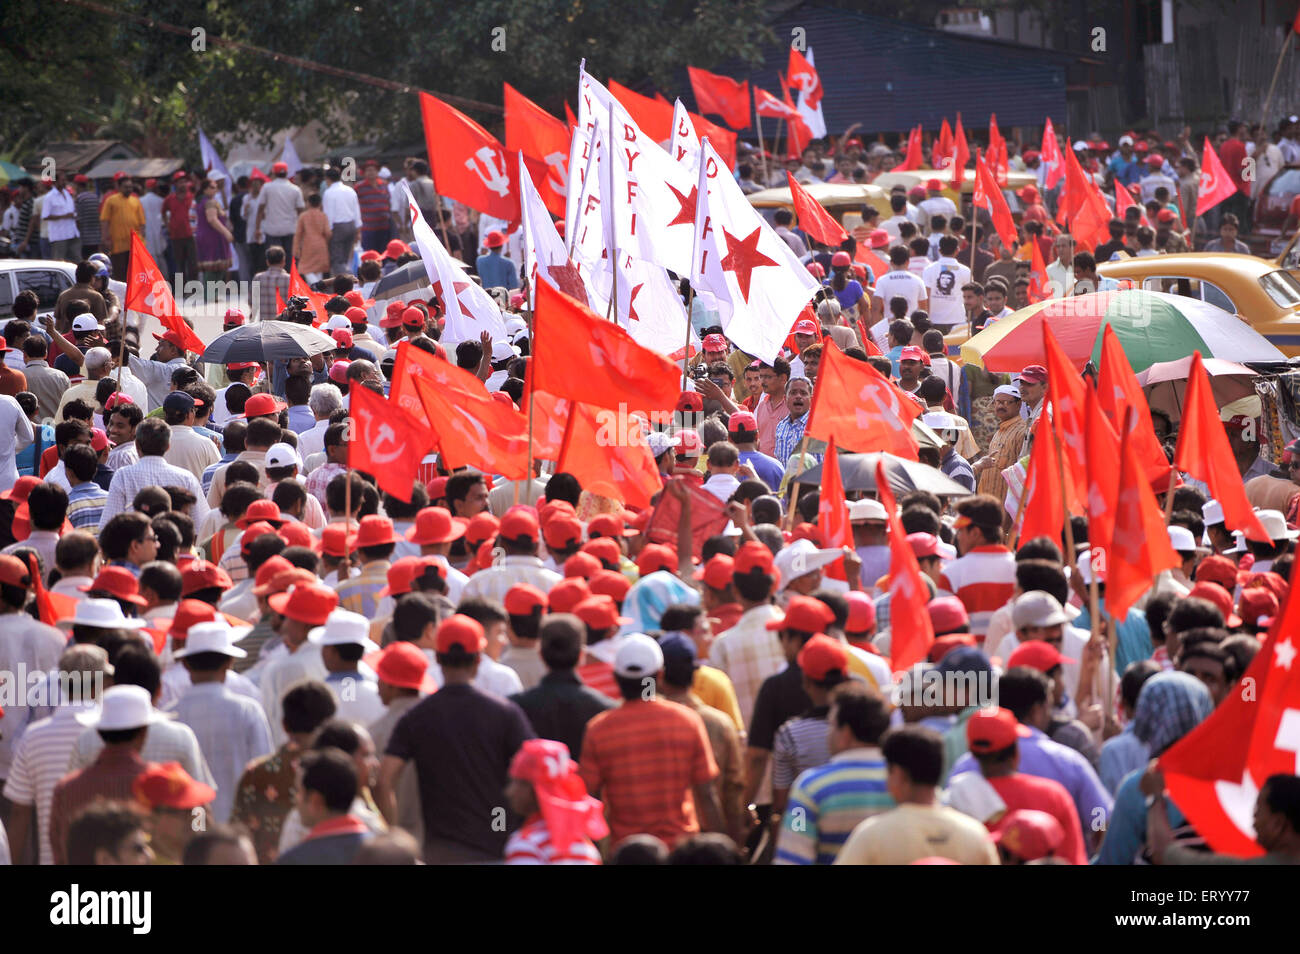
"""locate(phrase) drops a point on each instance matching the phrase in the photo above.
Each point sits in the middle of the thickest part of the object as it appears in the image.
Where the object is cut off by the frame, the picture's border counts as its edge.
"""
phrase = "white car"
(47, 278)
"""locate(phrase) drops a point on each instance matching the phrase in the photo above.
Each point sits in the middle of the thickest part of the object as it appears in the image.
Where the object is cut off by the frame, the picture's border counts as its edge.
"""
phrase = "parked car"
(47, 278)
(1266, 236)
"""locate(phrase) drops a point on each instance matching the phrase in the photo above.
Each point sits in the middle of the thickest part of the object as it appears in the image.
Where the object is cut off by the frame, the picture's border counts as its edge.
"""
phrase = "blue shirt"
(26, 460)
(1121, 755)
(1127, 171)
(769, 469)
(497, 271)
(959, 469)
(1040, 756)
(1127, 833)
(789, 432)
(301, 418)
(1134, 643)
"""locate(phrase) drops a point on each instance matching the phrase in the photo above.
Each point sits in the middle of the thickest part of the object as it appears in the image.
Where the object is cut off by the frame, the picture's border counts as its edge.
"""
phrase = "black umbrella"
(401, 281)
(858, 472)
(267, 341)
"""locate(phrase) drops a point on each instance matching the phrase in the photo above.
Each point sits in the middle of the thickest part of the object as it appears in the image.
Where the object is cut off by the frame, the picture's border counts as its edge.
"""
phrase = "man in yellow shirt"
(919, 827)
(121, 214)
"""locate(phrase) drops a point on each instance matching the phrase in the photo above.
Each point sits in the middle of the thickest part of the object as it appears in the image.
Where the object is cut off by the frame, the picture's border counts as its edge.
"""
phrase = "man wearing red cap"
(403, 674)
(518, 536)
(495, 269)
(375, 543)
(461, 740)
(299, 610)
(561, 821)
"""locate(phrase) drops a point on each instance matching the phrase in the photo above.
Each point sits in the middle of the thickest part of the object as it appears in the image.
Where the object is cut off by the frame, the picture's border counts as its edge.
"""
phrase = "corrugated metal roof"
(890, 75)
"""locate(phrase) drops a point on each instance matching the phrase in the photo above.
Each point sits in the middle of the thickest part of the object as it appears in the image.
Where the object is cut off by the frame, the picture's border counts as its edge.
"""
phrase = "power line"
(458, 101)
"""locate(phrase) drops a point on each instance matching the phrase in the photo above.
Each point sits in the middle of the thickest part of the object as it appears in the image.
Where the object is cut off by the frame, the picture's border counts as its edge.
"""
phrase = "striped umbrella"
(11, 173)
(1152, 326)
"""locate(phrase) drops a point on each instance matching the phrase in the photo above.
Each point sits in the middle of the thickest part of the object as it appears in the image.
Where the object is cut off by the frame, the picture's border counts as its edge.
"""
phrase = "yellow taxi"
(844, 200)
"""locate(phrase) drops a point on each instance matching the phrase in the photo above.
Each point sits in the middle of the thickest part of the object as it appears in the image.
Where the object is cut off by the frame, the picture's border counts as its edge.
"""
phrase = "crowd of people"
(241, 650)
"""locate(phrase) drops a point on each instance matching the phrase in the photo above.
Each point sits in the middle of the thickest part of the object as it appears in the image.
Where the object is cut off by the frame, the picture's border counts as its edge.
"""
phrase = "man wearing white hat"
(283, 464)
(1005, 444)
(1241, 422)
(343, 640)
(1282, 537)
(231, 728)
(121, 721)
(870, 525)
(801, 565)
(1217, 535)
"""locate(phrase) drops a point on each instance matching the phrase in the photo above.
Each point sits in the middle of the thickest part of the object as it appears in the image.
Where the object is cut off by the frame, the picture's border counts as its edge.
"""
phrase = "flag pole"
(702, 185)
(529, 475)
(611, 313)
(762, 151)
(1277, 69)
(803, 447)
(1169, 494)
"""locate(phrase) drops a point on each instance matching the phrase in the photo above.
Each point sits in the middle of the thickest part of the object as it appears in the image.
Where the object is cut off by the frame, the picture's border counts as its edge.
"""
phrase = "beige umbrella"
(1165, 383)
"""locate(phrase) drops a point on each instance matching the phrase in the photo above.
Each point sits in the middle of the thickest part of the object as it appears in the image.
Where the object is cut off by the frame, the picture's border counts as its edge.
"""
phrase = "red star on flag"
(686, 214)
(631, 303)
(743, 257)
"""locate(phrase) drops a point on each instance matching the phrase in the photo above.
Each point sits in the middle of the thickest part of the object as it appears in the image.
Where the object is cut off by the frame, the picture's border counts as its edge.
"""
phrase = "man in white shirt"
(189, 449)
(1060, 273)
(59, 214)
(944, 280)
(518, 536)
(339, 202)
(937, 203)
(898, 282)
(897, 205)
(278, 208)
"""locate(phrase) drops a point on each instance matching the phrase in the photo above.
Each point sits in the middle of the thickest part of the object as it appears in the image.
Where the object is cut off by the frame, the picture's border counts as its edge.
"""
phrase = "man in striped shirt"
(86, 499)
(984, 576)
(829, 801)
(360, 594)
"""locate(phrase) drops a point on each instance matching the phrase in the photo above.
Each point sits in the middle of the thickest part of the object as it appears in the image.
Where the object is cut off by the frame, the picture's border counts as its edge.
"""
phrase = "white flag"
(650, 308)
(588, 228)
(545, 257)
(685, 147)
(470, 310)
(812, 115)
(212, 163)
(759, 283)
(289, 156)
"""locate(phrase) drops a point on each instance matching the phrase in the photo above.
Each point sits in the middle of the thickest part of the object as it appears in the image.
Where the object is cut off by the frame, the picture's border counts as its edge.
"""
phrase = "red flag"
(833, 510)
(655, 118)
(997, 155)
(1118, 390)
(412, 363)
(988, 195)
(385, 442)
(298, 286)
(1124, 200)
(570, 120)
(961, 156)
(859, 409)
(867, 341)
(769, 105)
(943, 148)
(1139, 547)
(1039, 285)
(1067, 393)
(814, 219)
(1214, 772)
(476, 431)
(1215, 185)
(544, 141)
(721, 96)
(147, 292)
(550, 418)
(1087, 211)
(1103, 476)
(1204, 453)
(911, 629)
(914, 158)
(798, 135)
(45, 607)
(1042, 505)
(468, 162)
(803, 77)
(578, 355)
(1050, 155)
(608, 454)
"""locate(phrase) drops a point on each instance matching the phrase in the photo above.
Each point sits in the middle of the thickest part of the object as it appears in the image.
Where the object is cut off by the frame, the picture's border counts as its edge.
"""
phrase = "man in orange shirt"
(121, 214)
(650, 760)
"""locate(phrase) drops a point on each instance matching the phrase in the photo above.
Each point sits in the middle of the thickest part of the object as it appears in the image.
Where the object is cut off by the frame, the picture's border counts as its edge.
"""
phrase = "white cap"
(1212, 513)
(86, 322)
(344, 628)
(101, 613)
(1274, 525)
(504, 351)
(1037, 608)
(638, 655)
(1010, 389)
(867, 510)
(122, 707)
(946, 551)
(515, 325)
(216, 636)
(801, 557)
(659, 443)
(281, 455)
(943, 421)
(1239, 545)
(1080, 145)
(338, 323)
(1126, 140)
(1182, 540)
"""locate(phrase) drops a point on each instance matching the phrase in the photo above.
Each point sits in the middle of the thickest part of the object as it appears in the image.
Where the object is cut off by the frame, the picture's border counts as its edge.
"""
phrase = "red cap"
(1257, 604)
(356, 299)
(309, 603)
(267, 572)
(234, 316)
(549, 509)
(118, 398)
(252, 532)
(806, 531)
(943, 645)
(403, 665)
(262, 404)
(947, 614)
(265, 511)
(1141, 146)
(568, 593)
(168, 785)
(482, 526)
(911, 353)
(460, 630)
(1037, 654)
(187, 613)
(200, 575)
(435, 525)
(754, 556)
(98, 440)
(821, 656)
(716, 573)
(607, 525)
(280, 167)
(342, 337)
(656, 556)
(991, 730)
(610, 583)
(21, 488)
(171, 337)
(600, 612)
(519, 522)
(437, 488)
(522, 598)
(1034, 374)
(396, 248)
(1165, 215)
(392, 318)
(1155, 162)
(562, 532)
(923, 544)
(1217, 569)
(494, 239)
(370, 255)
(806, 326)
(805, 614)
(14, 572)
(841, 260)
(934, 185)
(400, 573)
(414, 317)
(119, 581)
(375, 531)
(582, 564)
(1221, 598)
(337, 539)
(234, 366)
(815, 269)
(1029, 834)
(690, 401)
(862, 613)
(742, 421)
(339, 371)
(715, 343)
(606, 550)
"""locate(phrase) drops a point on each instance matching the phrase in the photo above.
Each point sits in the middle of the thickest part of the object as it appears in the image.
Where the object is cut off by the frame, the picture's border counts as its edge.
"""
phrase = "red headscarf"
(569, 812)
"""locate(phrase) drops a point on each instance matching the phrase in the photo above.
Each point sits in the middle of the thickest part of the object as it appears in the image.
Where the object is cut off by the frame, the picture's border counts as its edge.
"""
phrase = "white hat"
(867, 510)
(946, 551)
(803, 556)
(943, 421)
(638, 655)
(1126, 140)
(281, 455)
(338, 323)
(86, 322)
(1080, 145)
(103, 614)
(1239, 545)
(504, 351)
(1274, 525)
(1037, 608)
(1182, 540)
(344, 628)
(1249, 406)
(1010, 389)
(216, 636)
(659, 443)
(1212, 513)
(515, 325)
(122, 707)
